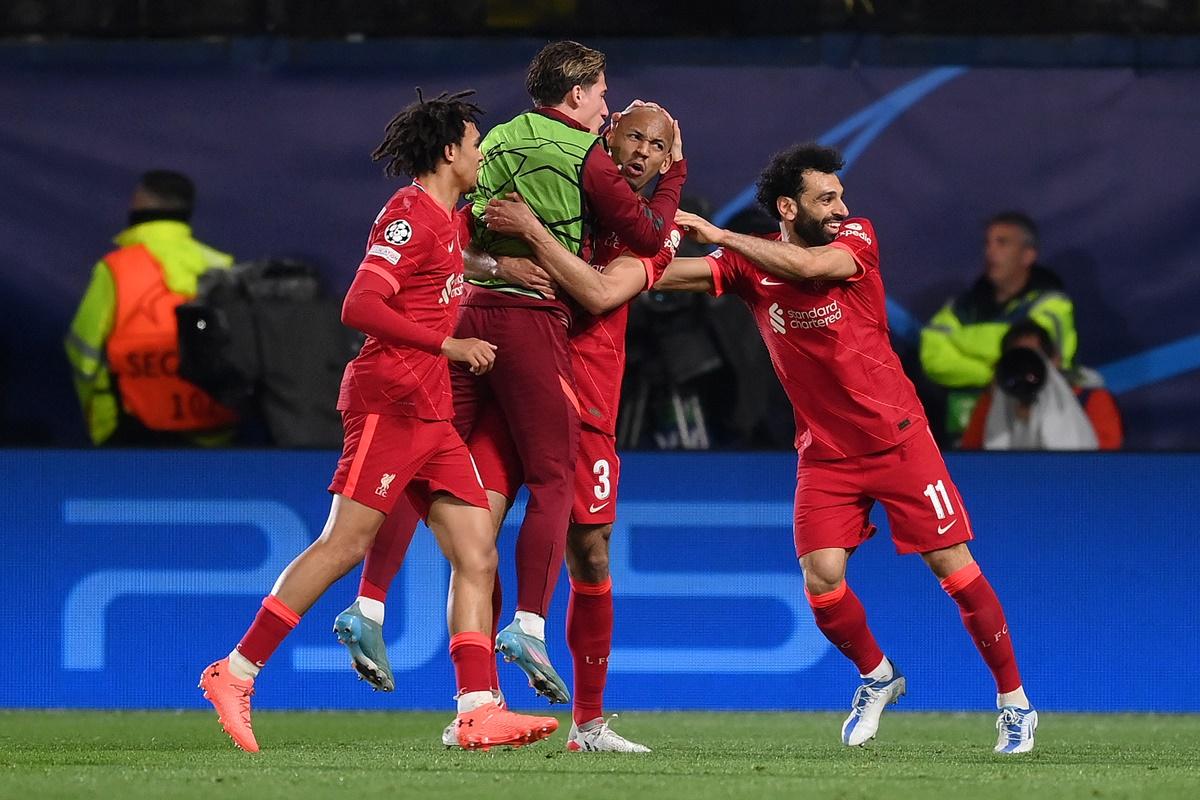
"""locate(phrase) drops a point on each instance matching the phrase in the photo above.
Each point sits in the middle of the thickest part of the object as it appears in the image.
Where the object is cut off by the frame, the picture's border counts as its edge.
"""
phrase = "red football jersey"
(416, 246)
(829, 344)
(598, 342)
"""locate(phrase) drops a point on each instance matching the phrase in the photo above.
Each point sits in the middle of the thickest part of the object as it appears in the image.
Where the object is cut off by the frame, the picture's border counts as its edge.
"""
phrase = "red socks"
(841, 617)
(984, 620)
(589, 635)
(273, 622)
(471, 651)
(387, 553)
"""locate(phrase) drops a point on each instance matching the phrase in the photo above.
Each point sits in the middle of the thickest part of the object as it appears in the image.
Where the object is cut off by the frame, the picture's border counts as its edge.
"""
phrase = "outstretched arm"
(686, 275)
(597, 292)
(781, 259)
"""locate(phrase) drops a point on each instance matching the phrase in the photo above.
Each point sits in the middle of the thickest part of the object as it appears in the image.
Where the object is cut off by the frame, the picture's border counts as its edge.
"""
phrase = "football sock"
(471, 651)
(1014, 698)
(883, 672)
(387, 552)
(984, 620)
(589, 635)
(841, 617)
(273, 622)
(473, 700)
(532, 624)
(371, 608)
(242, 667)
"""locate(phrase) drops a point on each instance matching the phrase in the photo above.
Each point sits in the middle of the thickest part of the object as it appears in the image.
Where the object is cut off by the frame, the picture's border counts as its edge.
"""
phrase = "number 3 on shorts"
(603, 487)
(936, 492)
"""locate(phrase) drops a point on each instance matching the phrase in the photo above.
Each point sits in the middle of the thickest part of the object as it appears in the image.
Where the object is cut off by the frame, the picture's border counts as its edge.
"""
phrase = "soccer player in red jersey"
(816, 293)
(644, 143)
(396, 411)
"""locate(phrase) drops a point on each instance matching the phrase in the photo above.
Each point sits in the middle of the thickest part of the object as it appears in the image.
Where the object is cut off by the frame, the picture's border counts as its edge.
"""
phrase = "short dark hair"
(559, 66)
(1017, 219)
(784, 175)
(1027, 327)
(417, 137)
(172, 191)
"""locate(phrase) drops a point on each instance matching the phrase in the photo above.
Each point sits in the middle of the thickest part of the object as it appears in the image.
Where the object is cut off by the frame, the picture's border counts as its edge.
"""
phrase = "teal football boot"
(368, 652)
(529, 653)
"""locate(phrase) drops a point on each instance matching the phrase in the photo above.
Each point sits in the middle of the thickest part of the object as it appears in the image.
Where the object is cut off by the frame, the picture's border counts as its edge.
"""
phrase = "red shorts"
(385, 455)
(597, 475)
(597, 468)
(925, 510)
(492, 447)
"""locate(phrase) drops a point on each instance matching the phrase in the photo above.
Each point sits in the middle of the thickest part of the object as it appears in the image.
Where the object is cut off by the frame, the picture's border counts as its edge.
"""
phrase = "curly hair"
(416, 138)
(784, 175)
(558, 67)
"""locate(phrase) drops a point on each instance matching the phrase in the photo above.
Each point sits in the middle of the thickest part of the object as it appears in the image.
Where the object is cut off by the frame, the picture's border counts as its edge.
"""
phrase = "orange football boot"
(491, 726)
(230, 696)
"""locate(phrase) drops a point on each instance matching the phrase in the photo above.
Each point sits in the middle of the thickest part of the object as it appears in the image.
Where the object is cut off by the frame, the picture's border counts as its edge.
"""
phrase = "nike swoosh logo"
(942, 530)
(450, 248)
(594, 509)
(769, 282)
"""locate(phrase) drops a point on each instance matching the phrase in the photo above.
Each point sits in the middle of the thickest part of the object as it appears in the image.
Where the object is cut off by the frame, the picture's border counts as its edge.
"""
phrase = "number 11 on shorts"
(936, 492)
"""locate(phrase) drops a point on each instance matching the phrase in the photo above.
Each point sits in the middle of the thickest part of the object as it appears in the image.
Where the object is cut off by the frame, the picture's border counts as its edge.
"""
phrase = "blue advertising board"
(126, 572)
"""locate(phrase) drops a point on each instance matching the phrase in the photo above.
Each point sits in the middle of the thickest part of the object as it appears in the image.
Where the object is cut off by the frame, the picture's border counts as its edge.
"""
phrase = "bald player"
(644, 143)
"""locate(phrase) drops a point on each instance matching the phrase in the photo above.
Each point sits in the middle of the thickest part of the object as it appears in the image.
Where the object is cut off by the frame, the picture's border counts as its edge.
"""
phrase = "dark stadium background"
(1084, 114)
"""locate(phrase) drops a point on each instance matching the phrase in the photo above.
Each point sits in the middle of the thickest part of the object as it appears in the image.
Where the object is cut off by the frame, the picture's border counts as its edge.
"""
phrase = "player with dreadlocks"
(399, 440)
(554, 157)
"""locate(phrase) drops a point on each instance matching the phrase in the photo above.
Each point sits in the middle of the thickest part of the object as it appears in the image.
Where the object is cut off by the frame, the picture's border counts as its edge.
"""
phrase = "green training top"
(542, 160)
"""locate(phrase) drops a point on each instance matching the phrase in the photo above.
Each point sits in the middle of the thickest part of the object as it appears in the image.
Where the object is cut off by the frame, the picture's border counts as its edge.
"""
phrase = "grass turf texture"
(697, 756)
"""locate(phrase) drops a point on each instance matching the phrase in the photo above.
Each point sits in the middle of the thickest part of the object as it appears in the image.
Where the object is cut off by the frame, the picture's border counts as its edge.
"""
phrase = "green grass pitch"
(697, 756)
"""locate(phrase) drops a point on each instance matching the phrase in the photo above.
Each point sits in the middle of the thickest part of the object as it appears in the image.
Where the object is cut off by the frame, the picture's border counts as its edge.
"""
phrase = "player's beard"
(811, 231)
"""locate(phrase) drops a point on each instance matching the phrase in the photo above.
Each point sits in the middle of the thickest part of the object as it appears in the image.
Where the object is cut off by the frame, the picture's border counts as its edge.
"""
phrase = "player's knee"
(821, 574)
(593, 567)
(587, 551)
(476, 563)
(818, 585)
(346, 546)
(949, 560)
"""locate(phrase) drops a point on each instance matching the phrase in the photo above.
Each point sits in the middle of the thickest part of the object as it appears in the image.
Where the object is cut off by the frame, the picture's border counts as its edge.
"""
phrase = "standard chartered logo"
(775, 313)
(802, 319)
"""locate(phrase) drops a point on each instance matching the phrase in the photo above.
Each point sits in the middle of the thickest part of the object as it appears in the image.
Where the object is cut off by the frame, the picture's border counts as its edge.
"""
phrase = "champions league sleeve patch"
(398, 233)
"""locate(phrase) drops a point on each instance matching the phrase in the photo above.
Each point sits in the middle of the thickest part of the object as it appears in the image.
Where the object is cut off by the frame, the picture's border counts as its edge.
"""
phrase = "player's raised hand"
(524, 272)
(512, 216)
(477, 354)
(677, 147)
(699, 228)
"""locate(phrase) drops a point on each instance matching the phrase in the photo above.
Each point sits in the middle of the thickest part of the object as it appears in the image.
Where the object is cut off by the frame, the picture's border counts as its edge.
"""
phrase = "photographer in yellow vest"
(123, 342)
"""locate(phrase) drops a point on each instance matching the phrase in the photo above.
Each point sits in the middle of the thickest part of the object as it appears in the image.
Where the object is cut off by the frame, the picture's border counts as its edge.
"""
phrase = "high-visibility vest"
(143, 350)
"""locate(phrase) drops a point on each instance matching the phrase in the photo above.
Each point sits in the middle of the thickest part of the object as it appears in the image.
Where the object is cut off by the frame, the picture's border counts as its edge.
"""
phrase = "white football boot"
(1016, 727)
(870, 700)
(597, 737)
